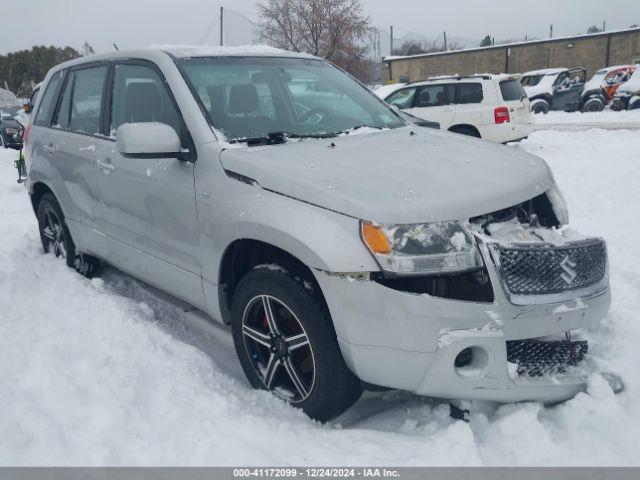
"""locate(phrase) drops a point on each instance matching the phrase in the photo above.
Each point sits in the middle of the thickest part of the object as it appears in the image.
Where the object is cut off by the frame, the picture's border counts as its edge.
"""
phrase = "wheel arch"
(461, 126)
(243, 255)
(37, 190)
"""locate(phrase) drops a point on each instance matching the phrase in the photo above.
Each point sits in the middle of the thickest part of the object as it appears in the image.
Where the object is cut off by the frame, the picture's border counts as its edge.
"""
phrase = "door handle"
(106, 165)
(51, 148)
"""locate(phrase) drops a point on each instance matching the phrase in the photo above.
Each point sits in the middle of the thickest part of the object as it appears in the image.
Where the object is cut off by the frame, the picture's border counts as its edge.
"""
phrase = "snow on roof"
(223, 51)
(545, 71)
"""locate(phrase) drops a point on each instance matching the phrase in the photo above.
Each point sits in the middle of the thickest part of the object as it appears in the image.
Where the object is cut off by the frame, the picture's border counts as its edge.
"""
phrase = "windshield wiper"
(274, 138)
(358, 127)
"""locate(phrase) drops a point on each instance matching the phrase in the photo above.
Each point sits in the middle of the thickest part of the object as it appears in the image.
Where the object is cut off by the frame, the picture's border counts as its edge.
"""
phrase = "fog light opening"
(472, 362)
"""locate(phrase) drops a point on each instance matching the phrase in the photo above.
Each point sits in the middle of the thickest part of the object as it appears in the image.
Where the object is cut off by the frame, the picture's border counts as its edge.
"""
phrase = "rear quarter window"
(47, 105)
(511, 90)
(469, 93)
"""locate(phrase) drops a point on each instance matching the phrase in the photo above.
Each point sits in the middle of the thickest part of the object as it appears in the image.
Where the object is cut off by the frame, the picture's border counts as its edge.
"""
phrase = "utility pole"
(221, 26)
(604, 25)
(444, 35)
(551, 31)
(391, 35)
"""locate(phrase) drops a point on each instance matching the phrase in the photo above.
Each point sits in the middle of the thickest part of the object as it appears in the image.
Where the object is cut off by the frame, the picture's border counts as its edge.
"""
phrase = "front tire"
(540, 106)
(594, 104)
(285, 341)
(56, 238)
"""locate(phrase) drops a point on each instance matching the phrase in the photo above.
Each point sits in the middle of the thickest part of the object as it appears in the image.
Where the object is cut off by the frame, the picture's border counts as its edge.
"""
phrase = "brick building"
(592, 52)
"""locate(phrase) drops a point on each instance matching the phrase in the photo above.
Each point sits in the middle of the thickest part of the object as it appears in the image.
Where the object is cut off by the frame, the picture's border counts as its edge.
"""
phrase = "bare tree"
(332, 29)
(594, 29)
(87, 50)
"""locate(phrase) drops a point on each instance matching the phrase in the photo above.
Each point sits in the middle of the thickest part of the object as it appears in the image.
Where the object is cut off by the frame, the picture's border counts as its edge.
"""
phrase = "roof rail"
(452, 77)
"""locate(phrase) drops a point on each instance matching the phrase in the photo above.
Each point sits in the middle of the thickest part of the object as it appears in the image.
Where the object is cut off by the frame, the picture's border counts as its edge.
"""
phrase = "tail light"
(501, 115)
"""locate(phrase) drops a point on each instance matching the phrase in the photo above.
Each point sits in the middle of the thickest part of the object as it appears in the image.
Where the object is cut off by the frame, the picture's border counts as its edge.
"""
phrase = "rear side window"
(43, 117)
(511, 90)
(140, 95)
(469, 93)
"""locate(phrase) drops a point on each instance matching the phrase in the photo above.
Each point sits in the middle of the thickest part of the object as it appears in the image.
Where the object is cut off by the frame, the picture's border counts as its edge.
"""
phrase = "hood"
(595, 83)
(545, 86)
(394, 176)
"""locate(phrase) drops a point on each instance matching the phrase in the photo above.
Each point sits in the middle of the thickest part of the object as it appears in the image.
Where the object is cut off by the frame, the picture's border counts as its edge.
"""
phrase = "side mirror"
(27, 108)
(148, 140)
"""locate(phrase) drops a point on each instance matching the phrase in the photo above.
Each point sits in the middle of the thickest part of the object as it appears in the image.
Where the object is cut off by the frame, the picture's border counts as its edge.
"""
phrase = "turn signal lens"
(375, 238)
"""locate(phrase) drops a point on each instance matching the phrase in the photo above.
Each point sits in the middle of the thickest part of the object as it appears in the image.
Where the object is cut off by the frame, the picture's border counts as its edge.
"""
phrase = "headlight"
(11, 131)
(424, 248)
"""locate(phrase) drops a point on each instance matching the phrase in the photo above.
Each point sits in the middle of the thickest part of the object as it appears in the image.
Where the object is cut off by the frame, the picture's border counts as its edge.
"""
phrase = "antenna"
(116, 46)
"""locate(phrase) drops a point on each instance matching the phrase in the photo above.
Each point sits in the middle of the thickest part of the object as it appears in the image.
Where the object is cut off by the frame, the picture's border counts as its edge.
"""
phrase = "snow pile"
(108, 372)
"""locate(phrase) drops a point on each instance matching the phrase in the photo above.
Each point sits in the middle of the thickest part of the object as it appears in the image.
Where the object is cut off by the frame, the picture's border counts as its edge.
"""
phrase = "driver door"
(149, 207)
(567, 90)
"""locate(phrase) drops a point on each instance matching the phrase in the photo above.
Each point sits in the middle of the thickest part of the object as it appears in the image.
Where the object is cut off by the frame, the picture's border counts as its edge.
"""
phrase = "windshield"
(531, 80)
(257, 97)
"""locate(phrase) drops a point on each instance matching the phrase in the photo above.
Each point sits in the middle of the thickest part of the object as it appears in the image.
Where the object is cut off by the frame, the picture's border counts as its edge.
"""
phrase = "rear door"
(149, 210)
(74, 137)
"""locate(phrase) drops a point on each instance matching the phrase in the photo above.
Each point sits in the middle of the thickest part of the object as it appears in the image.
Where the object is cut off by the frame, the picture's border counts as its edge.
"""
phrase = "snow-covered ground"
(109, 372)
(607, 119)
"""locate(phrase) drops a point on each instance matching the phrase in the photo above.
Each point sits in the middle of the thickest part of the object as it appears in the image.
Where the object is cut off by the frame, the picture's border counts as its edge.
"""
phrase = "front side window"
(402, 98)
(81, 104)
(140, 95)
(43, 117)
(253, 97)
(435, 96)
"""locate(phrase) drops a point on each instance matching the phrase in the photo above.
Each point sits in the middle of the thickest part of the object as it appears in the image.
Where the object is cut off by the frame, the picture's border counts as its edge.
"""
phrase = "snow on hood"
(544, 86)
(395, 177)
(596, 82)
(633, 84)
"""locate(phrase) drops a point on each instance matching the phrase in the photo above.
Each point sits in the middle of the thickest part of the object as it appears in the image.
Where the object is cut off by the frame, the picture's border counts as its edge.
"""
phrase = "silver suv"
(346, 248)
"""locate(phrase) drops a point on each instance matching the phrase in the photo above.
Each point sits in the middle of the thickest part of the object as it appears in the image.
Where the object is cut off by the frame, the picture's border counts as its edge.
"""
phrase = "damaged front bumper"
(413, 342)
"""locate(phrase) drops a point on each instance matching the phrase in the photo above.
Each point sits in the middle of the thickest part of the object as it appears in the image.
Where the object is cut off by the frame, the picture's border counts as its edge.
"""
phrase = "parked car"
(493, 107)
(345, 248)
(615, 77)
(561, 89)
(10, 129)
(627, 96)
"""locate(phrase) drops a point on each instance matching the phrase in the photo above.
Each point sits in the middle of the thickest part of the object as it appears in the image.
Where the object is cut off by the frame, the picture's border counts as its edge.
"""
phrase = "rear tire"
(634, 104)
(617, 105)
(594, 104)
(540, 106)
(56, 238)
(468, 131)
(291, 351)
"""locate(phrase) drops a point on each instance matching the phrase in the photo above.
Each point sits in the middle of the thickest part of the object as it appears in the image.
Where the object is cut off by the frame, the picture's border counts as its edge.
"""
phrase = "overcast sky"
(140, 23)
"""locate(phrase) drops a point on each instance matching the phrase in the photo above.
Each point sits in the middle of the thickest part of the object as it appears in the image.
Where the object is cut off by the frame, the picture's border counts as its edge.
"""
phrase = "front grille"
(546, 269)
(536, 358)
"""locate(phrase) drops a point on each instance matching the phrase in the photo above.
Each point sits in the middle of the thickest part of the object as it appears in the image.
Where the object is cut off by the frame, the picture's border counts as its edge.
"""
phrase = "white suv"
(493, 107)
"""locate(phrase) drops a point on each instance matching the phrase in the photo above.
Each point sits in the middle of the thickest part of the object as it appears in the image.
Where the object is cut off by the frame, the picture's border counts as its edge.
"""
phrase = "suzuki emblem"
(568, 265)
